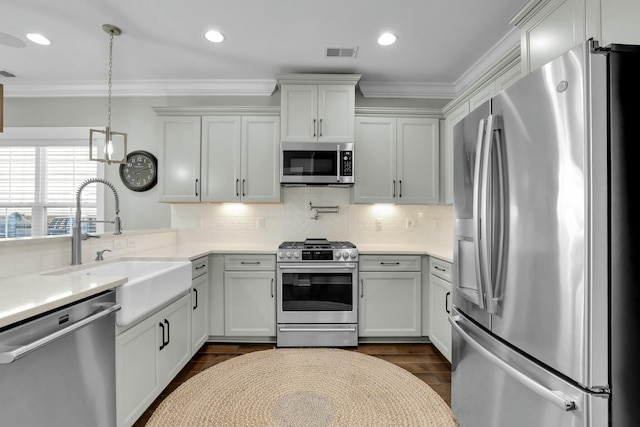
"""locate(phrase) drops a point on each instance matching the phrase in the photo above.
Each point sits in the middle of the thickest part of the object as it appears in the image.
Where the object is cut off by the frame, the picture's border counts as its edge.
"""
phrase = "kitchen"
(422, 229)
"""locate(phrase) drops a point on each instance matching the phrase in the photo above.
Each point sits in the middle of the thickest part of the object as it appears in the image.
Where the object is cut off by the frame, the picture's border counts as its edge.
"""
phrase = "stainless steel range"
(317, 294)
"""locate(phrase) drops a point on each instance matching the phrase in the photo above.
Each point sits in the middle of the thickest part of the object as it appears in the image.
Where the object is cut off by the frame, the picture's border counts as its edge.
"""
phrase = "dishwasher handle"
(7, 357)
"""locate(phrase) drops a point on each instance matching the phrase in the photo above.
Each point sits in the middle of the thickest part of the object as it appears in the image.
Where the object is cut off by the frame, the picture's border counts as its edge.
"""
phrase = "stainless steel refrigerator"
(546, 317)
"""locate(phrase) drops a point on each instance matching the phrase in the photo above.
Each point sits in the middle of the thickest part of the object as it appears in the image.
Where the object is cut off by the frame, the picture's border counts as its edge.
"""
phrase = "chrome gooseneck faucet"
(77, 237)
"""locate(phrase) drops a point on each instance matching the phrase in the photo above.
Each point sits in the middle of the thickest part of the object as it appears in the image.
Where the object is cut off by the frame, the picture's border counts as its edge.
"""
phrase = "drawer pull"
(438, 268)
(390, 263)
(250, 262)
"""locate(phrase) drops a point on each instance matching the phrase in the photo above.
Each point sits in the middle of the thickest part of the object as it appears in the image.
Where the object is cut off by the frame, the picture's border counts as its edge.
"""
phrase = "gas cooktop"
(317, 244)
(320, 250)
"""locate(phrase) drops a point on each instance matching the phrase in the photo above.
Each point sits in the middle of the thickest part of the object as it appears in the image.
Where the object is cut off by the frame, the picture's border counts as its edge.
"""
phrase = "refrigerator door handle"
(477, 224)
(500, 217)
(553, 396)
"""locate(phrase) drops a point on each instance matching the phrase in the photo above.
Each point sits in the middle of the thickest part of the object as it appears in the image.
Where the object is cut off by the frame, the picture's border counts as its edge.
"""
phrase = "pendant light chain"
(109, 85)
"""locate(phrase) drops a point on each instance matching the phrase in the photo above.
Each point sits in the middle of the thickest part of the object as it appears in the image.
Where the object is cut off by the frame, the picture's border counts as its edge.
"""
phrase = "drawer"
(199, 267)
(390, 263)
(441, 269)
(250, 262)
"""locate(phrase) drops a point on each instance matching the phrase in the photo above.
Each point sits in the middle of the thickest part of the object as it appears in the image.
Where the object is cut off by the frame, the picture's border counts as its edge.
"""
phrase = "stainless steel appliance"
(317, 163)
(546, 254)
(317, 296)
(59, 369)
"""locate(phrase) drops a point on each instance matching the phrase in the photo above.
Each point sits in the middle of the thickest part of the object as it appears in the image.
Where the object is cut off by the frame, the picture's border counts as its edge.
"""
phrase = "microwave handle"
(338, 163)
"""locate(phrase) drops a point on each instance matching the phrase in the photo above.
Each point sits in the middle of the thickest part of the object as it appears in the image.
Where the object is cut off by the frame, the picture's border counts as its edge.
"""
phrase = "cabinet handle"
(320, 128)
(272, 287)
(163, 344)
(314, 128)
(394, 188)
(196, 187)
(243, 185)
(168, 331)
(200, 267)
(237, 183)
(195, 291)
(400, 194)
(439, 268)
(446, 303)
(390, 263)
(250, 262)
(361, 288)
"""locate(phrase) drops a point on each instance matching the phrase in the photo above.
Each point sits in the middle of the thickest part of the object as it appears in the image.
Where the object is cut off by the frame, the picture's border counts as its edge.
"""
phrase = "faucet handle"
(100, 253)
(87, 236)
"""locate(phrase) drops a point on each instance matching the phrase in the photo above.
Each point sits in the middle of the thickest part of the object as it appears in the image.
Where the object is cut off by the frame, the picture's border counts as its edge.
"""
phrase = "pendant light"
(115, 143)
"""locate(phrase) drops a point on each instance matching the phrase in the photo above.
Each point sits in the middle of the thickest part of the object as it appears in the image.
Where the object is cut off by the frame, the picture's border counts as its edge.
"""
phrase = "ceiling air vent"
(4, 73)
(341, 52)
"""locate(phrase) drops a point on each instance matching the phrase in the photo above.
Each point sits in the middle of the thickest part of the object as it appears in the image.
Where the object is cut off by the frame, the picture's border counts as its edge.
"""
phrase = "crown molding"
(500, 50)
(217, 110)
(399, 112)
(407, 90)
(45, 89)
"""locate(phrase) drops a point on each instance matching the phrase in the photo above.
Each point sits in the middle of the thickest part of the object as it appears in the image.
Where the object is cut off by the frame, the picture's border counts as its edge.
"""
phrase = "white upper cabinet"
(219, 158)
(317, 107)
(240, 159)
(397, 160)
(179, 159)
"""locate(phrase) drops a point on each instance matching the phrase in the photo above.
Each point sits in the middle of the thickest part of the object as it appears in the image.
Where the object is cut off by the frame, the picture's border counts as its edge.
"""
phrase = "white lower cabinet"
(199, 310)
(250, 295)
(440, 305)
(148, 356)
(390, 298)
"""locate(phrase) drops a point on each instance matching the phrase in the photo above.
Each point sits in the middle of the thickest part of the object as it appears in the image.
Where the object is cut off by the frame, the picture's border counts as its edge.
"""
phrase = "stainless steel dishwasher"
(58, 369)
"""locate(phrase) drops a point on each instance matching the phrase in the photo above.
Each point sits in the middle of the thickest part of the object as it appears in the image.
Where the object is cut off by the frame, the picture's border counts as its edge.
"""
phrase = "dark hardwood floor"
(422, 360)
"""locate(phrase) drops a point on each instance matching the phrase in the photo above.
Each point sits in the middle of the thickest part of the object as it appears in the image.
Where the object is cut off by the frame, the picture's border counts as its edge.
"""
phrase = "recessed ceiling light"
(386, 39)
(214, 36)
(39, 39)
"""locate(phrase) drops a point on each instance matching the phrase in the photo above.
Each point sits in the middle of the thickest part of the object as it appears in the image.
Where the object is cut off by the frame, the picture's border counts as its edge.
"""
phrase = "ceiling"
(162, 51)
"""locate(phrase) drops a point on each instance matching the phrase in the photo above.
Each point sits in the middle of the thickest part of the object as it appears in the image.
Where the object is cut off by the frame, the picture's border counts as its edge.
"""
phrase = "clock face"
(140, 173)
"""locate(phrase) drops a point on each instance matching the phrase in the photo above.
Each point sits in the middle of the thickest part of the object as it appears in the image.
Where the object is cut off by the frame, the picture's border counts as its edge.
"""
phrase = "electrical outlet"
(260, 222)
(118, 244)
(378, 224)
(131, 243)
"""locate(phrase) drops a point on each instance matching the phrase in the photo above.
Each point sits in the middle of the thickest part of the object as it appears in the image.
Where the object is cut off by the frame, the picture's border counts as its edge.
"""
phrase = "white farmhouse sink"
(150, 284)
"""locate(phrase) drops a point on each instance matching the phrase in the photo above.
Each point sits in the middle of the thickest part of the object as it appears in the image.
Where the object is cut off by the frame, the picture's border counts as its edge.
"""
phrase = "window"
(40, 170)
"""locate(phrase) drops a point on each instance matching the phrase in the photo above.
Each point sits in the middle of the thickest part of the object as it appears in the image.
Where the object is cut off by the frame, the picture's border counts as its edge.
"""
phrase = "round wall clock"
(140, 173)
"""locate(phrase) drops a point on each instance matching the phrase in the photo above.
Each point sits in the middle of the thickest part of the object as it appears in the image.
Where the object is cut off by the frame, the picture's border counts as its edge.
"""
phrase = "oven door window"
(317, 292)
(312, 163)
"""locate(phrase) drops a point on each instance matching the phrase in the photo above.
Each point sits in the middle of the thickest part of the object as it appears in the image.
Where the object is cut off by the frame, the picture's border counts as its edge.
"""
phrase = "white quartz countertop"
(28, 295)
(25, 296)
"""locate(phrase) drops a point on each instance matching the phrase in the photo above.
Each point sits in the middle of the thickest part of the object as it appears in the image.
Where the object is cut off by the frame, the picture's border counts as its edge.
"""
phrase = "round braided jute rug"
(303, 387)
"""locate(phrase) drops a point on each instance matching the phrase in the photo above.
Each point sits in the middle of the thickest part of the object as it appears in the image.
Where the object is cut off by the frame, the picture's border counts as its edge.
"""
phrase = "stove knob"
(354, 254)
(338, 255)
(288, 255)
(345, 255)
(296, 255)
(280, 254)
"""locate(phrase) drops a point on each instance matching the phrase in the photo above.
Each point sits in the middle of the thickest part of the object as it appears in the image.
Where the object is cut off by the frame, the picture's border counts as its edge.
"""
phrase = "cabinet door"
(440, 306)
(199, 310)
(418, 161)
(375, 160)
(336, 112)
(250, 304)
(260, 159)
(389, 304)
(221, 150)
(136, 367)
(446, 152)
(179, 159)
(216, 295)
(177, 335)
(299, 113)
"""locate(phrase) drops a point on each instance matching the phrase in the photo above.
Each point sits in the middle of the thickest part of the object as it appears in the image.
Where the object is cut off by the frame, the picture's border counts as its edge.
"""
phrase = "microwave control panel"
(346, 165)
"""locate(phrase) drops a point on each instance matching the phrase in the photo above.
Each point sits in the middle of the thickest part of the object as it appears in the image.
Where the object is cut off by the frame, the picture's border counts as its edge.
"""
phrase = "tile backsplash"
(271, 224)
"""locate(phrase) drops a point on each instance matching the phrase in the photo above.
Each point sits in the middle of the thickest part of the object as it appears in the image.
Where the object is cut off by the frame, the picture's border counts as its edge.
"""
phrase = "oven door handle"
(285, 329)
(317, 267)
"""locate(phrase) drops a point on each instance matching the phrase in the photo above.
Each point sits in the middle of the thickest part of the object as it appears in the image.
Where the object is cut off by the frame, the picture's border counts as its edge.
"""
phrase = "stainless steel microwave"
(316, 163)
